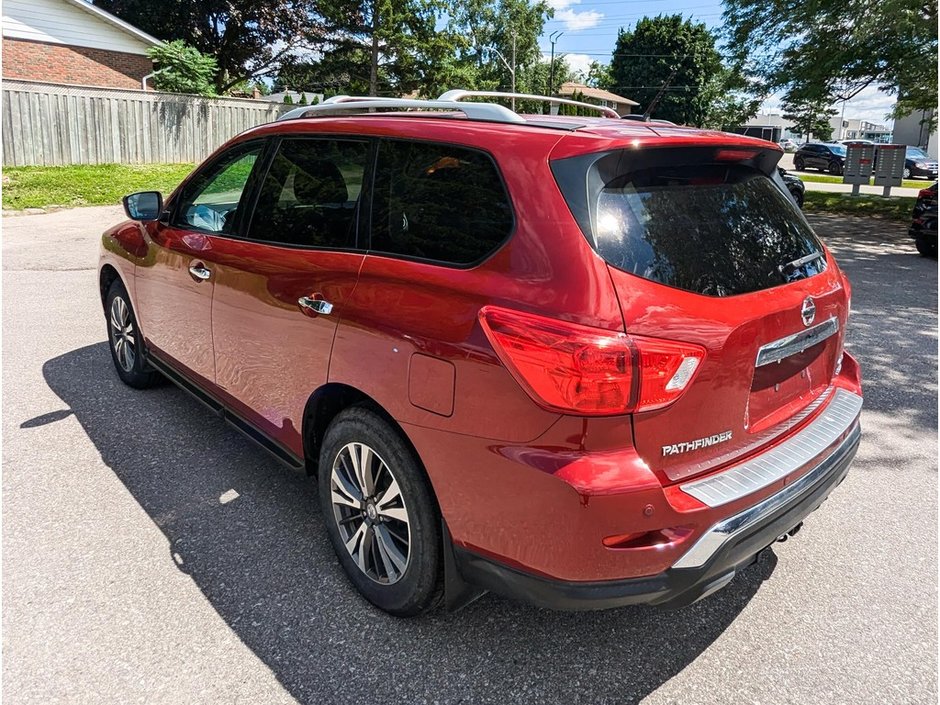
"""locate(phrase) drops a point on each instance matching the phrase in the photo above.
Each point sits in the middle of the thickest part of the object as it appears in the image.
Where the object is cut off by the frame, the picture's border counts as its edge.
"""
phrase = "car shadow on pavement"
(249, 534)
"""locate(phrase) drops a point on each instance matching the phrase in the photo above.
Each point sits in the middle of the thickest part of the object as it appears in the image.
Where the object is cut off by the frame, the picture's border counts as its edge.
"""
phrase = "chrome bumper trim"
(728, 529)
(772, 466)
(798, 342)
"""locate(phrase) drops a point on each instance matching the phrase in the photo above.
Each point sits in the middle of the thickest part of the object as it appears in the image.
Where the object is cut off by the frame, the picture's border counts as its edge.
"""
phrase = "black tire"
(798, 164)
(418, 587)
(799, 198)
(125, 342)
(926, 249)
(835, 168)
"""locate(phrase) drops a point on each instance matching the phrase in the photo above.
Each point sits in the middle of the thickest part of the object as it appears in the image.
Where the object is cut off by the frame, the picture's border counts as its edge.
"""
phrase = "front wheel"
(380, 514)
(906, 173)
(835, 168)
(125, 340)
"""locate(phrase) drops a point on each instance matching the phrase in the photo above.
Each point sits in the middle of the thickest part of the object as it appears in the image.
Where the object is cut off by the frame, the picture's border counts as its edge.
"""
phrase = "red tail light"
(591, 371)
(924, 193)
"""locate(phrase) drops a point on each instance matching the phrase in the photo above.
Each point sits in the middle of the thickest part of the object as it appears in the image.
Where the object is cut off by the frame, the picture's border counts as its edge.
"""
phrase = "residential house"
(622, 105)
(72, 42)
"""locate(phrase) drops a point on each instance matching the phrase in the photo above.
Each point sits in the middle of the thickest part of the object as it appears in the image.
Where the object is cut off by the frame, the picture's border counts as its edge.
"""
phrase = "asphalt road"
(132, 573)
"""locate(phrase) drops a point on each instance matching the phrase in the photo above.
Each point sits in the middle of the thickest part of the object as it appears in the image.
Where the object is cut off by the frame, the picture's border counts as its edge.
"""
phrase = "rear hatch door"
(704, 246)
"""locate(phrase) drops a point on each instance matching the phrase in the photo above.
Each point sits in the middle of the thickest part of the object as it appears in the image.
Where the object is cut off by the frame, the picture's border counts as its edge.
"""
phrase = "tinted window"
(438, 202)
(211, 200)
(715, 230)
(310, 194)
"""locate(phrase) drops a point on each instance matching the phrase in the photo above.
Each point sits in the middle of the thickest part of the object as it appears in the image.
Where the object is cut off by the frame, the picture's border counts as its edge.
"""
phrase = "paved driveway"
(128, 579)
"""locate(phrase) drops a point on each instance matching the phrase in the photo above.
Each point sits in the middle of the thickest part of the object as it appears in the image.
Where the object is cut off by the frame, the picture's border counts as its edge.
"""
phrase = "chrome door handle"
(315, 305)
(200, 272)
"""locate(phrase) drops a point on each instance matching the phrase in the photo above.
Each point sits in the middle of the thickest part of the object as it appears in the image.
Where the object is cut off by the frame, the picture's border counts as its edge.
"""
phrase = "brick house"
(622, 105)
(72, 42)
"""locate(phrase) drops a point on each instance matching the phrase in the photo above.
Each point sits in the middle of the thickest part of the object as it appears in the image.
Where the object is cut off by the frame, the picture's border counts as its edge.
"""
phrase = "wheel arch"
(326, 403)
(106, 277)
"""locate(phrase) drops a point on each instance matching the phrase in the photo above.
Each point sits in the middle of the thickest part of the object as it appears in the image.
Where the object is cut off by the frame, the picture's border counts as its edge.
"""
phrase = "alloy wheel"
(123, 336)
(371, 513)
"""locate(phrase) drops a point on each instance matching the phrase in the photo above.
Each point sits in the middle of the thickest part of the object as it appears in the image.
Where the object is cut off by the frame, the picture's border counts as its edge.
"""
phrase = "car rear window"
(712, 229)
(438, 202)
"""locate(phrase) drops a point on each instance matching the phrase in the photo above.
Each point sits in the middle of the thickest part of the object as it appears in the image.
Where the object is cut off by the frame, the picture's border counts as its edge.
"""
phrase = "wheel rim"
(370, 513)
(123, 337)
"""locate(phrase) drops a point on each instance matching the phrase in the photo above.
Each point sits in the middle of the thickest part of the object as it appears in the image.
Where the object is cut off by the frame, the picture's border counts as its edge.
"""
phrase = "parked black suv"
(924, 224)
(816, 155)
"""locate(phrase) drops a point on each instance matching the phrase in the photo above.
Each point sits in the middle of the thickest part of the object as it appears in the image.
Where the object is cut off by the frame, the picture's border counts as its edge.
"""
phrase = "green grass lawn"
(85, 185)
(828, 179)
(893, 207)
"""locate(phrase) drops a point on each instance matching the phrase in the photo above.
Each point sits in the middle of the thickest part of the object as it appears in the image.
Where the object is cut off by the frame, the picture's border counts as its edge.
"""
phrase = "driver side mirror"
(146, 205)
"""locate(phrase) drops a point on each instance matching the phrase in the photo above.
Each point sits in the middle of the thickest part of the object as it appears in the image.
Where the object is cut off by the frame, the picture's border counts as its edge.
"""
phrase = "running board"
(246, 428)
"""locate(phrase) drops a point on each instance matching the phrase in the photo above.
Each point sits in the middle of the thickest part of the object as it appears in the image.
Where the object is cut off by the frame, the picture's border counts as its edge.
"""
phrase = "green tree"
(183, 69)
(839, 47)
(599, 76)
(810, 115)
(248, 38)
(490, 34)
(730, 99)
(663, 48)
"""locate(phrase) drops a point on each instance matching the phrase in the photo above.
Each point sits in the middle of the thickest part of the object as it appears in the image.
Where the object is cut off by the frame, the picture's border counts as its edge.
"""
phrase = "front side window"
(310, 195)
(211, 200)
(438, 202)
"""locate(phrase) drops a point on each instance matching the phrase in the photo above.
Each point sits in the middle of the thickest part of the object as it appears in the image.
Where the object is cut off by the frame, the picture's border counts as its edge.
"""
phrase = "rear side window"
(310, 194)
(438, 202)
(712, 229)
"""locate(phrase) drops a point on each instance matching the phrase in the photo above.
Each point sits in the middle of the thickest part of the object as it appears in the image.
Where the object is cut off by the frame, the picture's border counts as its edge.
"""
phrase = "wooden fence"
(51, 124)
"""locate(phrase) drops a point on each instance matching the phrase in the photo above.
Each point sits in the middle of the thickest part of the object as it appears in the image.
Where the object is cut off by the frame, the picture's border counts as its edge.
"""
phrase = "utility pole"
(514, 69)
(553, 37)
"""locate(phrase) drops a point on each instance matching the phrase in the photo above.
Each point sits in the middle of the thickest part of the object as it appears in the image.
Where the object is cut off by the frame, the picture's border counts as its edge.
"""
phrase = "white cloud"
(579, 62)
(573, 19)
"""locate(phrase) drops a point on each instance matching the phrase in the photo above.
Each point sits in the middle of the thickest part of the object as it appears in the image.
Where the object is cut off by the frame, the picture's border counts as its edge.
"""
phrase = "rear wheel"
(926, 249)
(125, 341)
(798, 164)
(380, 514)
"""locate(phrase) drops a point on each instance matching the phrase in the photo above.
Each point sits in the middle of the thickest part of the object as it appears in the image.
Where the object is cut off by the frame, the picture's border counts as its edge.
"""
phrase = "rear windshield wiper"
(790, 267)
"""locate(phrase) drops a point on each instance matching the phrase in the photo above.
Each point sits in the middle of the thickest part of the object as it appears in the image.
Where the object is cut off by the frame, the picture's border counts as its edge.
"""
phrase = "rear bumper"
(712, 561)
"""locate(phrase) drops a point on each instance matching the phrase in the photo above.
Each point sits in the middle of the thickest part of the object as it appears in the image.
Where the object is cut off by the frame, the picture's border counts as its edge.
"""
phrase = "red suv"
(577, 361)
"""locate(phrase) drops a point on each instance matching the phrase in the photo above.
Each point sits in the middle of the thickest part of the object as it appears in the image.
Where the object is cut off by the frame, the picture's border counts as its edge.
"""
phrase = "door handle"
(199, 271)
(309, 306)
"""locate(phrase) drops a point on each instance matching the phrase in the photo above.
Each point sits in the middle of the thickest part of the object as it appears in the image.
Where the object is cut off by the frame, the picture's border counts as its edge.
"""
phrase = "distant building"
(854, 129)
(915, 131)
(606, 99)
(770, 127)
(74, 42)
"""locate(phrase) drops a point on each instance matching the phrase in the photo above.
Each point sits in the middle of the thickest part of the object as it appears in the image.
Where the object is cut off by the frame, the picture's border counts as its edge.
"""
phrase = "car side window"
(310, 195)
(438, 202)
(211, 200)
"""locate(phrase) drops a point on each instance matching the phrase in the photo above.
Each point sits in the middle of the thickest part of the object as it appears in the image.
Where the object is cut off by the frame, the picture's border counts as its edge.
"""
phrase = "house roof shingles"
(570, 88)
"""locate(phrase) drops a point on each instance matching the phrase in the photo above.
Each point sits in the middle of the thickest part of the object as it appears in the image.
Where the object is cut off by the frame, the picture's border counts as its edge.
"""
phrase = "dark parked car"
(580, 361)
(924, 224)
(917, 163)
(822, 156)
(794, 185)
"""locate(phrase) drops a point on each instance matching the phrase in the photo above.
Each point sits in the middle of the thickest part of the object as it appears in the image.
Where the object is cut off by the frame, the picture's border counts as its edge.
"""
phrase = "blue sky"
(590, 30)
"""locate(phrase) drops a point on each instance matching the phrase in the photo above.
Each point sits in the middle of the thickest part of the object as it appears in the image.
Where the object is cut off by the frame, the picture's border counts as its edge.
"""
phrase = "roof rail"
(344, 104)
(456, 95)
